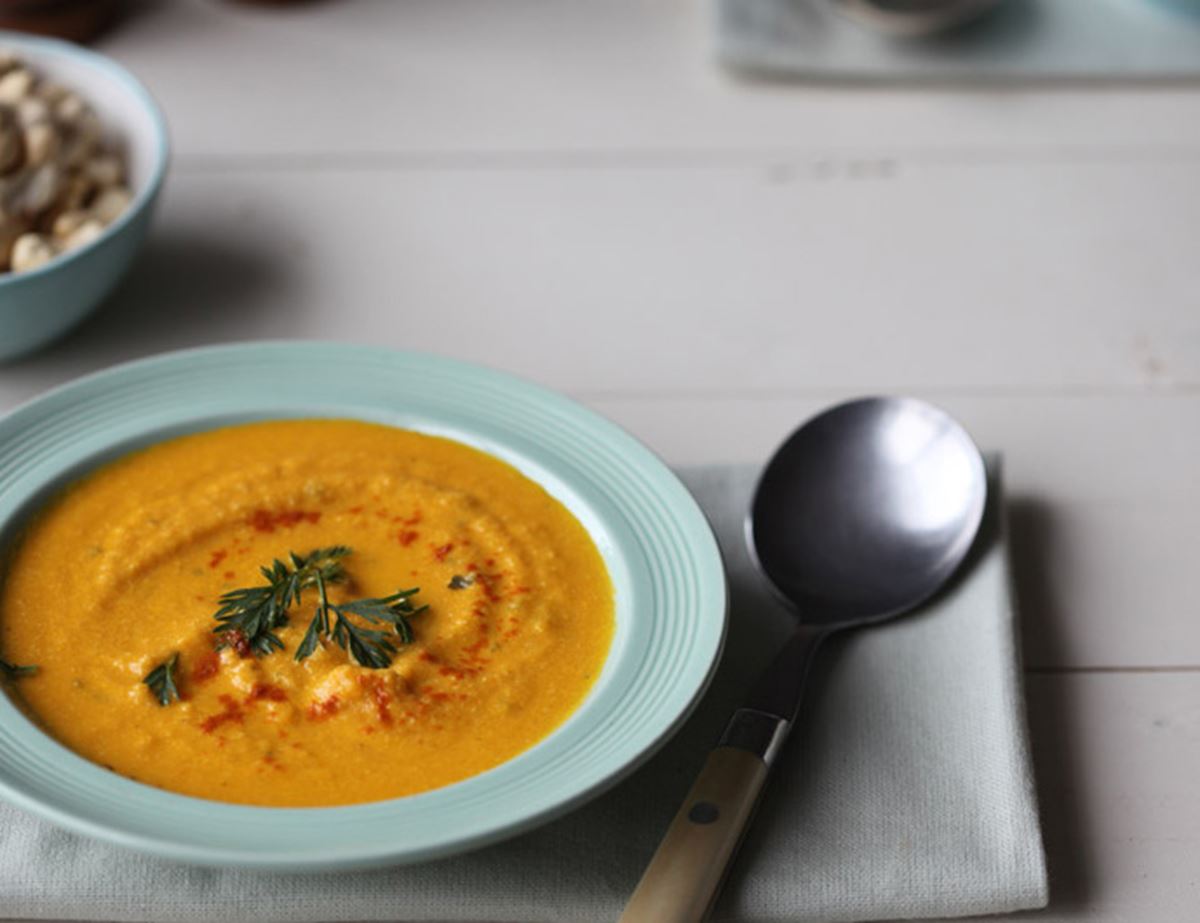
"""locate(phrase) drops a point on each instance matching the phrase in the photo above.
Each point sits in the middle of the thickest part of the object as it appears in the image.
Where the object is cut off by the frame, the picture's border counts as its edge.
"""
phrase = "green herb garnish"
(12, 671)
(161, 680)
(251, 615)
(371, 647)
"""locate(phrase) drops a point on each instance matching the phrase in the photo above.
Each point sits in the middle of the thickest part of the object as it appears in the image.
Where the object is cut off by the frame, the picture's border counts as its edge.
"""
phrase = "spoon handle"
(685, 876)
(686, 873)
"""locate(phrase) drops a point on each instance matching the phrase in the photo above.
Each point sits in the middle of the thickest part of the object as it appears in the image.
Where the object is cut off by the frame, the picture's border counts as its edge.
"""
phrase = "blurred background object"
(77, 20)
(100, 175)
(272, 2)
(960, 40)
(914, 17)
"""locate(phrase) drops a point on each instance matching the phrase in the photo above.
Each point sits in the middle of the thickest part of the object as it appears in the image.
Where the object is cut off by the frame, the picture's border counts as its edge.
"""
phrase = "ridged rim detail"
(663, 559)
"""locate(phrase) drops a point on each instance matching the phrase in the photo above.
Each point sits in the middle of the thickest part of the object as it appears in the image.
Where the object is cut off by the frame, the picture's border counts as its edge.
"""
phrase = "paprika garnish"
(268, 521)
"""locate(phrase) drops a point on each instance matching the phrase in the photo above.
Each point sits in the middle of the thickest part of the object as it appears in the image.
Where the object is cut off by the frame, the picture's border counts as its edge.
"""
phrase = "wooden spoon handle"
(686, 873)
(685, 876)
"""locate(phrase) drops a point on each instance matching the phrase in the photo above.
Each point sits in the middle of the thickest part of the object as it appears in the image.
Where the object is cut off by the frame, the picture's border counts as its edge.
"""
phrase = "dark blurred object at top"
(911, 18)
(272, 2)
(77, 20)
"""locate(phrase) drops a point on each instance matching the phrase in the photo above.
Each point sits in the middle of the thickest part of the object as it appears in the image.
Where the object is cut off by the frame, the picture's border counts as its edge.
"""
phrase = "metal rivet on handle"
(704, 812)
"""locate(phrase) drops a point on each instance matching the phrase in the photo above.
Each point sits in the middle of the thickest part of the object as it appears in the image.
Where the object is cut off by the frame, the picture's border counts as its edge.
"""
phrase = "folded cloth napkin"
(905, 792)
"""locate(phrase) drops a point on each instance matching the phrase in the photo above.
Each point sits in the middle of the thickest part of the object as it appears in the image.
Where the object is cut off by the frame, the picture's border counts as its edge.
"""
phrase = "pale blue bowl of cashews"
(41, 304)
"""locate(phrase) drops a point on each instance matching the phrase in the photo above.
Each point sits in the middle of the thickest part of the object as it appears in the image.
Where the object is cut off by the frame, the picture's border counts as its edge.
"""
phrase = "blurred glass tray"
(1021, 39)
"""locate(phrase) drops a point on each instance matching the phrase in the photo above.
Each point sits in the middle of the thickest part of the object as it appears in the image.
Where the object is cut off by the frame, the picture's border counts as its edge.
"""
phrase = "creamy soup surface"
(126, 569)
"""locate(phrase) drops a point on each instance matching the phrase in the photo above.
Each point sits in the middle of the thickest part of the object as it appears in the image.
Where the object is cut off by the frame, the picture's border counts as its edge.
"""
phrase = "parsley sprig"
(161, 680)
(252, 615)
(371, 647)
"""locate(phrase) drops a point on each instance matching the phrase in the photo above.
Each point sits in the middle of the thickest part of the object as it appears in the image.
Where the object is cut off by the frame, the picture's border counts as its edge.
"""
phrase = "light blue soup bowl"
(668, 583)
(40, 305)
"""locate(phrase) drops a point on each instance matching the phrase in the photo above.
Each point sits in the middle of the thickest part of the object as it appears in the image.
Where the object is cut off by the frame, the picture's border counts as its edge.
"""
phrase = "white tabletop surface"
(572, 191)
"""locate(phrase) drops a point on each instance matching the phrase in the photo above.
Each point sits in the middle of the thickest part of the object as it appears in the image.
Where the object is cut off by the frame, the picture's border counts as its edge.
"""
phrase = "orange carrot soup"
(303, 613)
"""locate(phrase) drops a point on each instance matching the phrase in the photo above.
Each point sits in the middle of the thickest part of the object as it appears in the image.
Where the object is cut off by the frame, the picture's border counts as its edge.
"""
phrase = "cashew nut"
(67, 222)
(105, 170)
(10, 140)
(38, 192)
(15, 85)
(31, 251)
(88, 231)
(31, 110)
(11, 227)
(41, 143)
(111, 203)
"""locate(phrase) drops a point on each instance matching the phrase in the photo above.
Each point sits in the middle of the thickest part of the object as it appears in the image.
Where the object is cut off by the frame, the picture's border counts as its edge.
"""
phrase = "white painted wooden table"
(571, 191)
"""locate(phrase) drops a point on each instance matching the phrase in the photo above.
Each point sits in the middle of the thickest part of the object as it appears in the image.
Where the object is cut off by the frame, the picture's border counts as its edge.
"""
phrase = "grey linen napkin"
(906, 792)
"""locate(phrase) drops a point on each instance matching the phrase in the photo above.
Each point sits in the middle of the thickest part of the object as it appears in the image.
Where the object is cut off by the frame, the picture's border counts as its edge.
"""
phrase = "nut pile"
(61, 184)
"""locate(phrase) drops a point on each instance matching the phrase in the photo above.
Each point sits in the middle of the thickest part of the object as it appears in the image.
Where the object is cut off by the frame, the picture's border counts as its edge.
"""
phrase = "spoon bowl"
(866, 510)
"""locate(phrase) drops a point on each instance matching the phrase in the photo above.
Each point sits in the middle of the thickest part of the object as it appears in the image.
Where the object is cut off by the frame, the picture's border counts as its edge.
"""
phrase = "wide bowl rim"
(117, 73)
(701, 544)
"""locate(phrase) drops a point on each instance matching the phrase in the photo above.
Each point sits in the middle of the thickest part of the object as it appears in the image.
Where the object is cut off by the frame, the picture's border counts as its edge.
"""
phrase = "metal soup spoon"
(861, 515)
